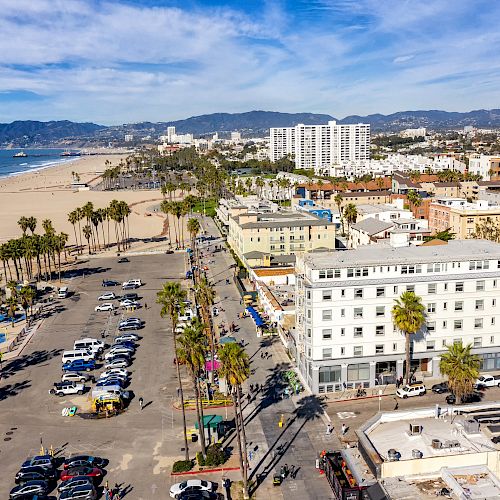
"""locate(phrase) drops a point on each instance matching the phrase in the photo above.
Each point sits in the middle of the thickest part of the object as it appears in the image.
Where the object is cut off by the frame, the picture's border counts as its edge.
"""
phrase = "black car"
(36, 473)
(74, 483)
(130, 296)
(440, 388)
(29, 488)
(122, 260)
(473, 397)
(79, 460)
(195, 494)
(110, 283)
(86, 492)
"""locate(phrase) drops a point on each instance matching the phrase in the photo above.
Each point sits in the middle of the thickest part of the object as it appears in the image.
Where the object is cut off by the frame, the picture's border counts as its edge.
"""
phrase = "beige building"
(280, 233)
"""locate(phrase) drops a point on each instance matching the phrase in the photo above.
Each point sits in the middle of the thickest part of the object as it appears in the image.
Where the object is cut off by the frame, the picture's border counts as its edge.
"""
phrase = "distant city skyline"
(114, 62)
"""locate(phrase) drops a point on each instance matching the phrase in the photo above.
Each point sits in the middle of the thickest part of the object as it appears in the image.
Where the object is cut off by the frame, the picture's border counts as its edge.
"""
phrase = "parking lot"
(140, 445)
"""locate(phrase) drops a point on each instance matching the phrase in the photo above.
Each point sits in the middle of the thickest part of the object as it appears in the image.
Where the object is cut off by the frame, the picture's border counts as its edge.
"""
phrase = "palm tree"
(87, 233)
(193, 226)
(338, 199)
(171, 298)
(408, 317)
(27, 295)
(191, 352)
(5, 257)
(59, 244)
(235, 368)
(32, 224)
(350, 214)
(73, 219)
(165, 207)
(414, 198)
(11, 303)
(23, 224)
(461, 367)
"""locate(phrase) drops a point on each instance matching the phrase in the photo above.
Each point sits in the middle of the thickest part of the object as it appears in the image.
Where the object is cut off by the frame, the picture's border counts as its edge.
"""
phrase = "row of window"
(432, 288)
(356, 272)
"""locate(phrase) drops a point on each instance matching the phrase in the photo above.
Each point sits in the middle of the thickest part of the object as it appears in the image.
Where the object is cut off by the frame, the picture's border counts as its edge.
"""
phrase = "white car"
(107, 296)
(129, 303)
(114, 371)
(127, 337)
(198, 484)
(107, 306)
(411, 390)
(117, 363)
(75, 377)
(135, 281)
(118, 351)
(67, 388)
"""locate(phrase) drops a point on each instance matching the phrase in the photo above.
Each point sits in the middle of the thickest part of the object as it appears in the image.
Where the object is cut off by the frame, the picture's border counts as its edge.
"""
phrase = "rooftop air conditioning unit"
(393, 455)
(436, 444)
(471, 427)
(415, 430)
(416, 454)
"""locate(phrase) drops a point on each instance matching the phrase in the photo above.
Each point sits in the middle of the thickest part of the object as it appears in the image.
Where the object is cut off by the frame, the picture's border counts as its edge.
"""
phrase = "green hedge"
(215, 455)
(182, 466)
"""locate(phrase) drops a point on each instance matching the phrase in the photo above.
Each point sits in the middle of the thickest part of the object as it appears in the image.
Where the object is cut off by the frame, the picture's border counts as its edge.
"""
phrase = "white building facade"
(320, 146)
(344, 332)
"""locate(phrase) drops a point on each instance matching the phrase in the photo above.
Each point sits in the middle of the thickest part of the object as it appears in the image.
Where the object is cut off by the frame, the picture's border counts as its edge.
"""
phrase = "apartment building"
(487, 166)
(316, 146)
(344, 333)
(280, 233)
(460, 216)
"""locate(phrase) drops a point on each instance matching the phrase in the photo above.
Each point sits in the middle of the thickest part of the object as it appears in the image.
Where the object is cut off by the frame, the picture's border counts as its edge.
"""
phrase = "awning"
(208, 365)
(255, 316)
(226, 340)
(210, 421)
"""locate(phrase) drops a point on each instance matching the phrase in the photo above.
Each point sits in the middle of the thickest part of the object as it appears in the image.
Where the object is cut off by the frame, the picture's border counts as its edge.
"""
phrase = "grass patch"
(210, 206)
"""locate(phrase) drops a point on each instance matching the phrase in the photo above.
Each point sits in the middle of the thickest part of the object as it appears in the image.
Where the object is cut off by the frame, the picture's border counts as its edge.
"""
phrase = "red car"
(93, 472)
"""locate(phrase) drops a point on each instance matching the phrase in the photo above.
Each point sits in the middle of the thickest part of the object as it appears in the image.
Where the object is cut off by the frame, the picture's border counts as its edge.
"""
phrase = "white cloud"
(403, 59)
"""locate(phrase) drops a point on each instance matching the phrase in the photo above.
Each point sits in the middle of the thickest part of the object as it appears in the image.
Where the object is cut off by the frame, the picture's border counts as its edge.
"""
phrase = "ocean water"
(37, 159)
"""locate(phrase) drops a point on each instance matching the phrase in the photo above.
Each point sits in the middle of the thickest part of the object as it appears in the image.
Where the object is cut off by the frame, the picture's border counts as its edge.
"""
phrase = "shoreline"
(31, 170)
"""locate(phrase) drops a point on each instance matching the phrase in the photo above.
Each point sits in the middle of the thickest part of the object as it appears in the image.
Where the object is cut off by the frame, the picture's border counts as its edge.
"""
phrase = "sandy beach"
(47, 194)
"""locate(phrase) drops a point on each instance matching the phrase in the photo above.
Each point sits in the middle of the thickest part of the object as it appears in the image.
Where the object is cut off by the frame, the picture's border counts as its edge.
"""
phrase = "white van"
(72, 355)
(63, 292)
(93, 345)
(110, 389)
(411, 390)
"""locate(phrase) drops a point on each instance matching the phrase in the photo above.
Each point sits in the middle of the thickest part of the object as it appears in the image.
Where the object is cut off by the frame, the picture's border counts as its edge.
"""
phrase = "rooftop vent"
(416, 454)
(393, 455)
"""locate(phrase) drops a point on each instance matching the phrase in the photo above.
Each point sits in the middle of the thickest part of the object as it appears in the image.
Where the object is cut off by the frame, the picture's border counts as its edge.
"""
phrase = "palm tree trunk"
(179, 381)
(76, 239)
(201, 427)
(80, 231)
(238, 441)
(17, 269)
(407, 348)
(59, 264)
(243, 438)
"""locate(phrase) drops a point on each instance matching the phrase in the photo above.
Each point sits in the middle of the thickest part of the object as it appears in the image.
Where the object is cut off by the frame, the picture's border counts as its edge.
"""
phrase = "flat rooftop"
(374, 255)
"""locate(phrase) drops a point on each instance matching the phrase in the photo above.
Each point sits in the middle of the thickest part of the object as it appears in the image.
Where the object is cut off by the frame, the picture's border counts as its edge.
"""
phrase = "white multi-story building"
(485, 165)
(414, 132)
(320, 146)
(173, 138)
(344, 333)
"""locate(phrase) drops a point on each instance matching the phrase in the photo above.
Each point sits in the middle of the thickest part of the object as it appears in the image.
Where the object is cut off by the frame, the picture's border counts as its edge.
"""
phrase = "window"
(492, 321)
(480, 305)
(431, 288)
(328, 374)
(358, 312)
(309, 333)
(413, 269)
(445, 287)
(379, 349)
(443, 343)
(327, 295)
(492, 339)
(478, 341)
(342, 331)
(457, 324)
(336, 273)
(309, 314)
(445, 324)
(479, 286)
(342, 351)
(477, 265)
(431, 307)
(342, 293)
(494, 302)
(381, 292)
(359, 371)
(327, 333)
(327, 353)
(445, 306)
(431, 345)
(459, 306)
(410, 288)
(478, 323)
(494, 283)
(322, 274)
(329, 273)
(327, 314)
(431, 326)
(308, 295)
(358, 331)
(457, 341)
(380, 330)
(395, 289)
(459, 287)
(342, 313)
(358, 293)
(394, 347)
(380, 311)
(357, 272)
(358, 350)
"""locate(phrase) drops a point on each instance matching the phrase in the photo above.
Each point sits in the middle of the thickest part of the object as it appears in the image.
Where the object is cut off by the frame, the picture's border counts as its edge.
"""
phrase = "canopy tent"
(255, 316)
(226, 340)
(210, 421)
(208, 365)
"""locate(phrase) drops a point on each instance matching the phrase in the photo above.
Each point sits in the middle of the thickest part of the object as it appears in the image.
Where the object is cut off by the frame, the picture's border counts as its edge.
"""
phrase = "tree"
(408, 317)
(191, 352)
(338, 199)
(235, 368)
(445, 235)
(171, 298)
(350, 215)
(87, 233)
(414, 198)
(23, 224)
(461, 367)
(27, 296)
(11, 308)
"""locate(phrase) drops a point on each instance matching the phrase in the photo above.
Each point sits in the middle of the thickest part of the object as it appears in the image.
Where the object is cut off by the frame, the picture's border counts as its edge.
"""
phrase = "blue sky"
(132, 60)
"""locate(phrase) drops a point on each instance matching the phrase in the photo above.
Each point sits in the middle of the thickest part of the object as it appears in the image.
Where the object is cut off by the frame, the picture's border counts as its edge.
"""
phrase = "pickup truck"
(488, 381)
(66, 388)
(78, 365)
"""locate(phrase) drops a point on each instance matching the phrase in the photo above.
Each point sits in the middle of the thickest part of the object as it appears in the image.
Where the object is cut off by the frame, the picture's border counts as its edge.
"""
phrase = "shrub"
(215, 455)
(182, 466)
(200, 459)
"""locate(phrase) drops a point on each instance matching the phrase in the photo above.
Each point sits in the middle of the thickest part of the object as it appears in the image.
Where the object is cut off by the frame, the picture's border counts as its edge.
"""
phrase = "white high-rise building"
(344, 334)
(320, 146)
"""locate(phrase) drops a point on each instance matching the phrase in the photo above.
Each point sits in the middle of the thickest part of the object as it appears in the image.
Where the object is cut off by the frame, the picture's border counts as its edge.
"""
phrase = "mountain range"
(252, 123)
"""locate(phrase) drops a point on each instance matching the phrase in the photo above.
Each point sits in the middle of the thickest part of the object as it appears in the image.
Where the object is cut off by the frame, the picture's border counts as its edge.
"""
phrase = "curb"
(328, 401)
(204, 471)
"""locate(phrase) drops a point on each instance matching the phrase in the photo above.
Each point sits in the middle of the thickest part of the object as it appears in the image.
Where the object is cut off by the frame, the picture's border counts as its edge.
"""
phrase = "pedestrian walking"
(400, 381)
(261, 355)
(286, 469)
(292, 471)
(344, 429)
(328, 429)
(397, 404)
(141, 403)
(251, 387)
(145, 305)
(257, 387)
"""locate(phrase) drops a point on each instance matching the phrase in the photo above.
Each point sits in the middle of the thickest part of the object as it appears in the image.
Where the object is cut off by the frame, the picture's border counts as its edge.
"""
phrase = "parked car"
(135, 281)
(107, 296)
(74, 483)
(130, 296)
(121, 260)
(117, 363)
(129, 286)
(473, 397)
(79, 365)
(107, 306)
(36, 473)
(45, 461)
(126, 343)
(86, 492)
(127, 337)
(76, 377)
(80, 460)
(132, 319)
(114, 371)
(110, 381)
(411, 390)
(200, 485)
(129, 303)
(132, 325)
(67, 388)
(83, 470)
(196, 494)
(488, 381)
(440, 388)
(110, 283)
(29, 488)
